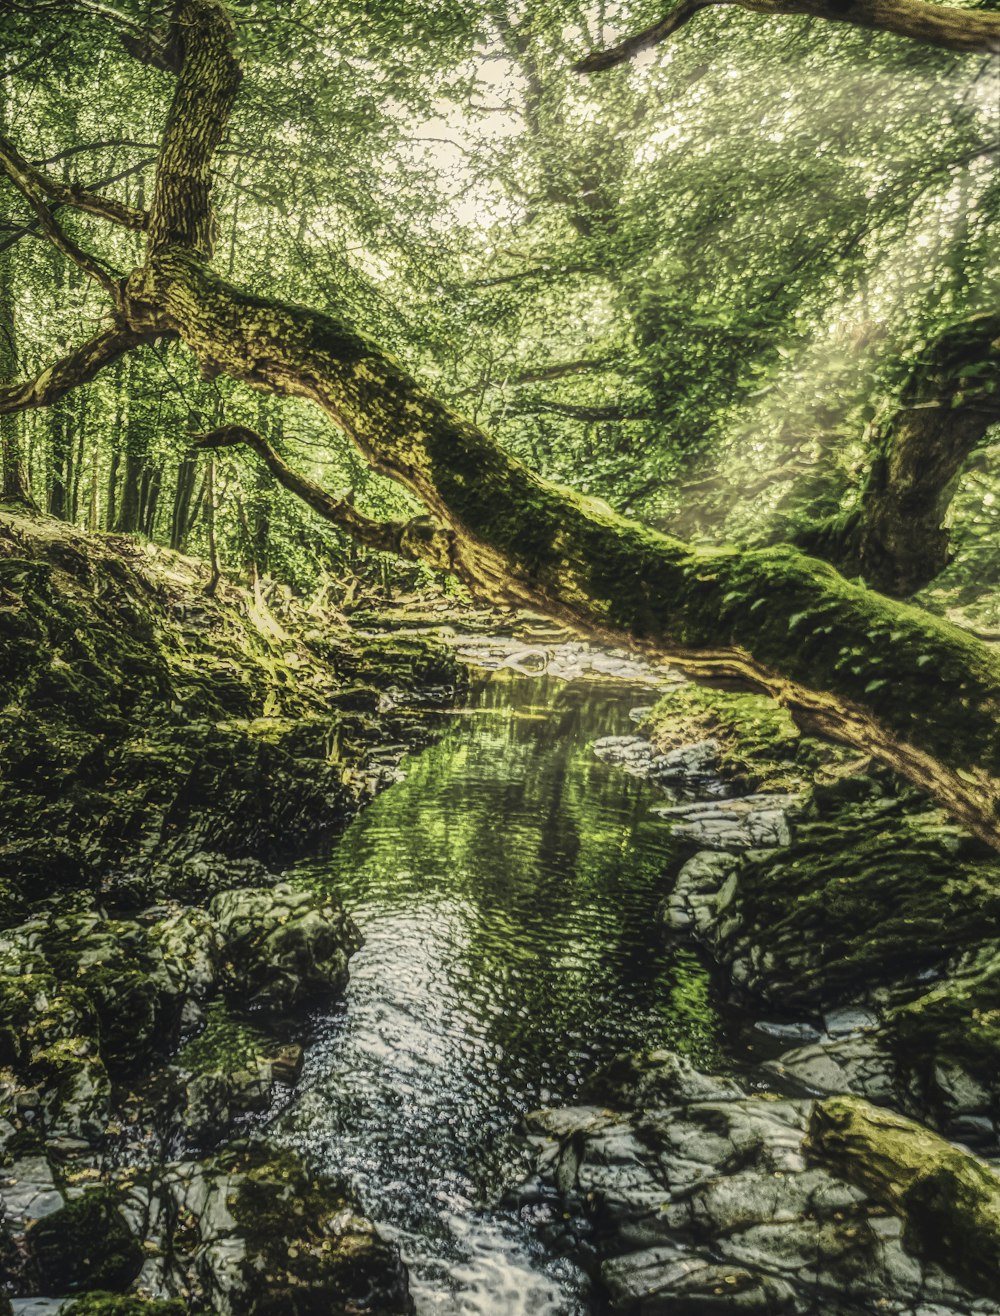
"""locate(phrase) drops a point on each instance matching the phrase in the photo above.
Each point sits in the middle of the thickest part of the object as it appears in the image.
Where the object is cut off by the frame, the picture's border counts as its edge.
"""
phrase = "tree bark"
(970, 30)
(897, 539)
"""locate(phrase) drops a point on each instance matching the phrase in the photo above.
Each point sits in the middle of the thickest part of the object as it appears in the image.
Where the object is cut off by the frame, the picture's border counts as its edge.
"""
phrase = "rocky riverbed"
(163, 755)
(859, 926)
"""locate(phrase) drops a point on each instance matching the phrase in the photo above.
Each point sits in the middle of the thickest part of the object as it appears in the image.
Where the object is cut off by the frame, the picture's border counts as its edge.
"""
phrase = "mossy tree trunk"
(847, 661)
(898, 538)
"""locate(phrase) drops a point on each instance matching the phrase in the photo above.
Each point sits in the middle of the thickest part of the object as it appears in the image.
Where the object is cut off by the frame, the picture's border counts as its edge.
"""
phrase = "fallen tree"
(921, 695)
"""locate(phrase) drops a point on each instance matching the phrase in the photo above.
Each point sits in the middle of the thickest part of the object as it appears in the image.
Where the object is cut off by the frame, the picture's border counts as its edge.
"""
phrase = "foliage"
(712, 266)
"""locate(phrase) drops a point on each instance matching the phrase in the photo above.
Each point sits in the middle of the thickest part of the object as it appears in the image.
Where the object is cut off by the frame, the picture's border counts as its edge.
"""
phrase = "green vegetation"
(304, 305)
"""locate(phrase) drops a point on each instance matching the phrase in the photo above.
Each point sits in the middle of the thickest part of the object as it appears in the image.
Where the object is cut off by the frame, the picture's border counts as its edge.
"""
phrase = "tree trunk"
(187, 472)
(129, 508)
(897, 539)
(847, 661)
(60, 461)
(152, 500)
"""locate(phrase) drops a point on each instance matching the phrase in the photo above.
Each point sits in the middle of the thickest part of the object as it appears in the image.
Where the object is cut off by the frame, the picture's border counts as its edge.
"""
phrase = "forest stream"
(506, 891)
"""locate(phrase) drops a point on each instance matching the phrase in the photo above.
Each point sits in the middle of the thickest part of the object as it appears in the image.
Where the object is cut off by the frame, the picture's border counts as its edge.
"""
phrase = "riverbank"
(858, 925)
(164, 755)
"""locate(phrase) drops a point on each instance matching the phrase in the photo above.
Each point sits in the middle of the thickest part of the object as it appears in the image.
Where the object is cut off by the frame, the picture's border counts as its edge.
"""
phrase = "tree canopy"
(459, 291)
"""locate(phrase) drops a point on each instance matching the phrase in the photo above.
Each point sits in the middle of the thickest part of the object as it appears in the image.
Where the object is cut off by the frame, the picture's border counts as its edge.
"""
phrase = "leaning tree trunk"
(849, 662)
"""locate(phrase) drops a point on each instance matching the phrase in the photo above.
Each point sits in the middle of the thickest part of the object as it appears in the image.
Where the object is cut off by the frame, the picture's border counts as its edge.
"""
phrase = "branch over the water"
(847, 662)
(420, 538)
(970, 30)
(69, 372)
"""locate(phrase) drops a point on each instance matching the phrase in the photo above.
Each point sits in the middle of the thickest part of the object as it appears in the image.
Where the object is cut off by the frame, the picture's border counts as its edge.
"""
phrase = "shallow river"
(506, 890)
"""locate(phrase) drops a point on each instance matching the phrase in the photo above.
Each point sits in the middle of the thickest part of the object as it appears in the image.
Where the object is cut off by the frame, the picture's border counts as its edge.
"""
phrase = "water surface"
(507, 891)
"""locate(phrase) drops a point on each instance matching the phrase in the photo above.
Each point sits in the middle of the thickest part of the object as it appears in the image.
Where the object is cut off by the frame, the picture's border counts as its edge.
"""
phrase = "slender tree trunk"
(129, 508)
(213, 547)
(15, 477)
(187, 472)
(94, 502)
(152, 501)
(60, 461)
(77, 472)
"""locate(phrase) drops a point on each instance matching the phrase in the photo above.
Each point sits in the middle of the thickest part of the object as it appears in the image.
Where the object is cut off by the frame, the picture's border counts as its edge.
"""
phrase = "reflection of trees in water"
(558, 867)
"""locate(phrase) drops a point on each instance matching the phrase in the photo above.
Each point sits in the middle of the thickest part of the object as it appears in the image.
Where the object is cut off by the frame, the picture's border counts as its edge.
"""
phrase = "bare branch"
(84, 148)
(79, 367)
(579, 412)
(36, 184)
(947, 26)
(34, 226)
(421, 537)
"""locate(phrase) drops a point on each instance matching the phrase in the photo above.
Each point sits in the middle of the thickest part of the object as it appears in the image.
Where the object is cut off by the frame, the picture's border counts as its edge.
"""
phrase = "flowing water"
(507, 891)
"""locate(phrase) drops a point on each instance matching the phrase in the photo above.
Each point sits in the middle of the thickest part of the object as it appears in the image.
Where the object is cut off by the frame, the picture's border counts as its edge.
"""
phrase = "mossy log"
(848, 662)
(949, 1199)
(921, 695)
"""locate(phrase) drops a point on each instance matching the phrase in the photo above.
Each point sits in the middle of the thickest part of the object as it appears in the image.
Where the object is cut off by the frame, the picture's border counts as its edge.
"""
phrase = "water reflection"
(507, 892)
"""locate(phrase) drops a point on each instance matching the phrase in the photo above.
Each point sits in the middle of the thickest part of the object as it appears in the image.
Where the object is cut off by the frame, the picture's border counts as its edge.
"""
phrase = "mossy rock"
(86, 1244)
(867, 894)
(956, 1023)
(760, 748)
(309, 1251)
(114, 1304)
(948, 1198)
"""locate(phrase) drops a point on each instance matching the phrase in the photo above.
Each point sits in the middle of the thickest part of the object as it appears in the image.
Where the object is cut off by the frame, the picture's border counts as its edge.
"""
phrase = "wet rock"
(28, 1192)
(283, 946)
(85, 1244)
(641, 758)
(231, 1070)
(752, 822)
(657, 1282)
(696, 901)
(655, 1079)
(855, 1064)
(256, 1234)
(719, 1205)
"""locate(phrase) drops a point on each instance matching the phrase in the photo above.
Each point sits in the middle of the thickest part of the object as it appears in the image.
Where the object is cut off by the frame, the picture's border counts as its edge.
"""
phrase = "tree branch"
(613, 412)
(947, 26)
(34, 226)
(79, 367)
(25, 176)
(420, 538)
